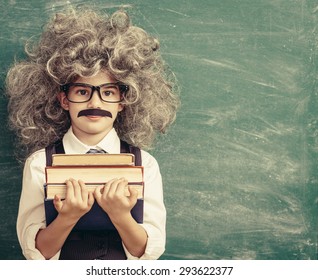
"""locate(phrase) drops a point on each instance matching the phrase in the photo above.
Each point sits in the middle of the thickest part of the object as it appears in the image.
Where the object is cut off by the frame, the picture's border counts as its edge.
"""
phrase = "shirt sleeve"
(154, 210)
(31, 214)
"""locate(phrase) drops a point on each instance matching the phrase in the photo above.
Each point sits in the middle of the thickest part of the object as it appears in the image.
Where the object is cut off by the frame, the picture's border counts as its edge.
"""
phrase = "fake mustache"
(95, 112)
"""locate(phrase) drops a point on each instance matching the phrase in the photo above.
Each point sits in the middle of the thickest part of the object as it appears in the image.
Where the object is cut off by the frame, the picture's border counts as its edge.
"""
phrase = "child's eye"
(82, 92)
(107, 93)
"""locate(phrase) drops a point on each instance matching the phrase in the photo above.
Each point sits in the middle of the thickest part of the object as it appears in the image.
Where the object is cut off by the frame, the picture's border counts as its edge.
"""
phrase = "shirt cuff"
(154, 249)
(31, 252)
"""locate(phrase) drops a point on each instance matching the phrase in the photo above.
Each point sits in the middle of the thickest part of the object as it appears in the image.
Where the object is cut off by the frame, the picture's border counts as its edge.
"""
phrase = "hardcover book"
(92, 159)
(93, 174)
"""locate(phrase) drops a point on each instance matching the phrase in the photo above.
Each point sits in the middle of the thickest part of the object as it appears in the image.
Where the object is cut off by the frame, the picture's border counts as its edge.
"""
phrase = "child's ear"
(63, 100)
(120, 107)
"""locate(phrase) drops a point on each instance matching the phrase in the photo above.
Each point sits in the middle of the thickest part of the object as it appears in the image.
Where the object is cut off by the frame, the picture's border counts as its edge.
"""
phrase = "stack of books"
(94, 170)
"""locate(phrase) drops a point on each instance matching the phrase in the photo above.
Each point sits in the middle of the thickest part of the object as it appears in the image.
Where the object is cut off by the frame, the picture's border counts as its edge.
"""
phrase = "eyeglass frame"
(122, 89)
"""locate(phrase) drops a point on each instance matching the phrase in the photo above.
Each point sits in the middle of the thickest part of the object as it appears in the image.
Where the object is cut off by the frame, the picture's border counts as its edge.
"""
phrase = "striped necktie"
(95, 151)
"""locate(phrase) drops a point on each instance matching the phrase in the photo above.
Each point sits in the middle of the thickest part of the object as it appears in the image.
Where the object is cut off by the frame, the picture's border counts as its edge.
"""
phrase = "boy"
(92, 80)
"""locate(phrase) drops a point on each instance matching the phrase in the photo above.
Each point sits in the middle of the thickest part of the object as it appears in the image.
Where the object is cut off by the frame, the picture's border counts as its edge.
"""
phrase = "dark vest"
(92, 244)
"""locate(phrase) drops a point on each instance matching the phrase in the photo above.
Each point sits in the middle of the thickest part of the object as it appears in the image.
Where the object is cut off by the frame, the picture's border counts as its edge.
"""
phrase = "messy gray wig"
(82, 43)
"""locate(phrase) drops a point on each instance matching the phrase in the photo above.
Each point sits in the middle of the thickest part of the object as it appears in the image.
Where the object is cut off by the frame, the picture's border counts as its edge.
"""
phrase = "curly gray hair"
(82, 43)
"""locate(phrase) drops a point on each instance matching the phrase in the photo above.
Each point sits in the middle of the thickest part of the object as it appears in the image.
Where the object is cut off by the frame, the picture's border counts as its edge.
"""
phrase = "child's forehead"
(101, 77)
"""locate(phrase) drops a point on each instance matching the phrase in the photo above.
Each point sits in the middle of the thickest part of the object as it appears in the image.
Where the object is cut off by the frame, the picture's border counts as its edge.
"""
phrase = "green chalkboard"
(240, 164)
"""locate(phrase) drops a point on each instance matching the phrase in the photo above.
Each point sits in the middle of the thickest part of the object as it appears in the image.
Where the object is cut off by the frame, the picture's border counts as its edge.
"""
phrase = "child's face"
(91, 129)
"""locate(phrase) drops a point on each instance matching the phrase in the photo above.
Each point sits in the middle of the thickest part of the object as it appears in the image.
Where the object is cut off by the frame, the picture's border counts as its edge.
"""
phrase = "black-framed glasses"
(109, 92)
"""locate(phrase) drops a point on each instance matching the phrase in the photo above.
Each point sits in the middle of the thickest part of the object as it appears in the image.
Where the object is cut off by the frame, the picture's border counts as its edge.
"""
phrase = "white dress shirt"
(31, 215)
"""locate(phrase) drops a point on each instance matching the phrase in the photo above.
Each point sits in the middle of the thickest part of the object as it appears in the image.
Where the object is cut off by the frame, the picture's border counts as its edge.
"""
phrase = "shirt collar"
(72, 145)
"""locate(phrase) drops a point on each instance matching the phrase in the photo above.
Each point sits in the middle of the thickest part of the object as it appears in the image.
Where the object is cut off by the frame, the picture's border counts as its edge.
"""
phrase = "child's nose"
(95, 100)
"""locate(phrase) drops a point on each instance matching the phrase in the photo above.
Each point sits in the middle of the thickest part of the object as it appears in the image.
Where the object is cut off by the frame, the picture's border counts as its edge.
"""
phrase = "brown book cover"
(92, 159)
(93, 174)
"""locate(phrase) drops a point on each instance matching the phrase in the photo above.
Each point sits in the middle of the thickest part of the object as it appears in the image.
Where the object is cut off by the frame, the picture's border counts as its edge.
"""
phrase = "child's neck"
(90, 139)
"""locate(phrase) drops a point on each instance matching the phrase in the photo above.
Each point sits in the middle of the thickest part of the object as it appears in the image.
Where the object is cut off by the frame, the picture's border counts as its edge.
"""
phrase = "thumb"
(98, 192)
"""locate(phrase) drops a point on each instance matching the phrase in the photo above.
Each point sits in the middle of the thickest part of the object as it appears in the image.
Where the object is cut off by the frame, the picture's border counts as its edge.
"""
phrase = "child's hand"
(78, 200)
(113, 200)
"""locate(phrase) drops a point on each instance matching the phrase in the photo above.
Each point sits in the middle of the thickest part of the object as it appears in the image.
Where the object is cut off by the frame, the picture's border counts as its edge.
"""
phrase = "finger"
(133, 195)
(98, 192)
(121, 186)
(69, 189)
(110, 188)
(77, 189)
(57, 202)
(90, 200)
(84, 190)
